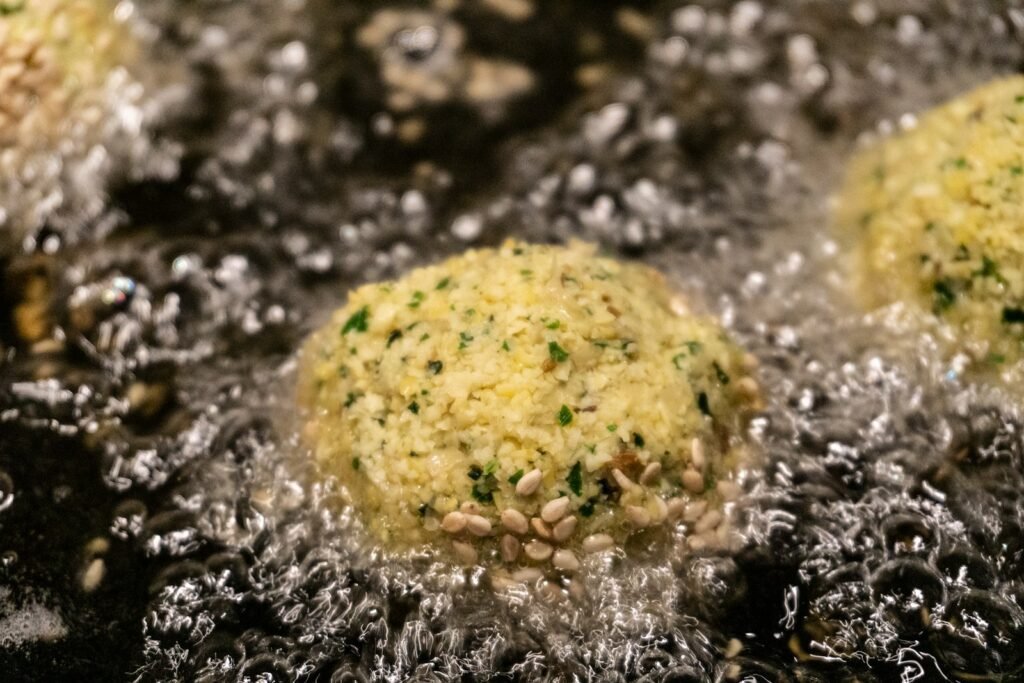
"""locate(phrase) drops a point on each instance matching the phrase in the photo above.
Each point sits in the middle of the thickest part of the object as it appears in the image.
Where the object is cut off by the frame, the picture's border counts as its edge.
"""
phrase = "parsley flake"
(557, 353)
(575, 479)
(357, 322)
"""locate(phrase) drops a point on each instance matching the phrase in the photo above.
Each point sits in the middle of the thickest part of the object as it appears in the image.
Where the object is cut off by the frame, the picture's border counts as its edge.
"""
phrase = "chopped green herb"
(355, 463)
(702, 403)
(8, 9)
(960, 163)
(393, 337)
(414, 408)
(564, 415)
(1013, 315)
(350, 399)
(587, 509)
(504, 345)
(435, 366)
(482, 493)
(676, 359)
(638, 440)
(694, 347)
(557, 353)
(517, 251)
(442, 283)
(962, 254)
(424, 337)
(945, 295)
(357, 322)
(723, 378)
(553, 325)
(600, 343)
(484, 488)
(929, 226)
(996, 358)
(575, 479)
(989, 268)
(417, 299)
(474, 472)
(464, 339)
(514, 479)
(1019, 99)
(1017, 170)
(526, 272)
(612, 427)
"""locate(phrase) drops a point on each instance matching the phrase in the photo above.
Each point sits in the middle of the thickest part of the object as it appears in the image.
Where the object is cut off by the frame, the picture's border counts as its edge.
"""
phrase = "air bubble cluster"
(148, 432)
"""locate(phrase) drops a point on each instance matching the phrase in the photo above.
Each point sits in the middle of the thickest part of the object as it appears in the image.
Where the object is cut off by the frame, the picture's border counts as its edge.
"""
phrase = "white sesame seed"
(748, 387)
(697, 454)
(453, 522)
(729, 490)
(651, 473)
(638, 516)
(477, 525)
(527, 574)
(624, 482)
(538, 550)
(709, 521)
(693, 481)
(564, 529)
(540, 527)
(595, 543)
(695, 510)
(515, 521)
(465, 552)
(555, 509)
(565, 560)
(509, 548)
(660, 510)
(93, 575)
(529, 483)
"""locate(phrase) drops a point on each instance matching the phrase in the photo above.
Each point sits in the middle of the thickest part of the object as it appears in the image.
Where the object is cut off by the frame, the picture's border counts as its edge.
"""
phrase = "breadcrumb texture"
(439, 391)
(935, 218)
(55, 56)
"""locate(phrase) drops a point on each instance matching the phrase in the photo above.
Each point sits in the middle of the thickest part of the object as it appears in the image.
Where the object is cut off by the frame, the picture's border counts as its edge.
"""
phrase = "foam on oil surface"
(883, 533)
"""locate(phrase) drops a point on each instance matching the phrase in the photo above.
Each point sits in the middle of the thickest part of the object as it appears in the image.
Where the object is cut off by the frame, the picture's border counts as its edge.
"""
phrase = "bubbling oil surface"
(881, 538)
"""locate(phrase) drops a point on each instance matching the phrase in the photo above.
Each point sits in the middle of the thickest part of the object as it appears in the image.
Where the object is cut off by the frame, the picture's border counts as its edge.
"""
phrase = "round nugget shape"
(568, 388)
(935, 219)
